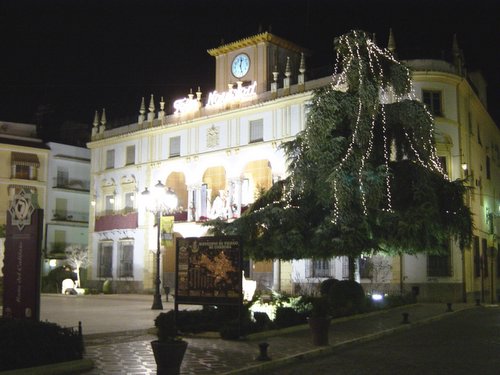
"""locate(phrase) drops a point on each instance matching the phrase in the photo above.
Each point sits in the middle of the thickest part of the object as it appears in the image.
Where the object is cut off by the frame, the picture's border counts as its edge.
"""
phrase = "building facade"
(68, 201)
(23, 166)
(218, 151)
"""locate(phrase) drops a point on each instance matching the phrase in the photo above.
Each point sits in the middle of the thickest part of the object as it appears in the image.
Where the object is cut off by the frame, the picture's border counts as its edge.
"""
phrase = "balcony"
(117, 221)
(74, 184)
(70, 216)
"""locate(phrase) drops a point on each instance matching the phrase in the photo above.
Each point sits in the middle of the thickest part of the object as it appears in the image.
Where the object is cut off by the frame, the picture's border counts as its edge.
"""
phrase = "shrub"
(288, 316)
(53, 281)
(26, 343)
(346, 297)
(326, 286)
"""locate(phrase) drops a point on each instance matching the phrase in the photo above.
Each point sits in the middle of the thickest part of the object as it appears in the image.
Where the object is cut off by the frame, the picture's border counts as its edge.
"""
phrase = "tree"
(77, 257)
(364, 175)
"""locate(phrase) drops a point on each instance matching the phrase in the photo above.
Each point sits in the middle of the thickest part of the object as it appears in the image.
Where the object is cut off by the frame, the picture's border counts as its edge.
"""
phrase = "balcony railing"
(71, 216)
(71, 184)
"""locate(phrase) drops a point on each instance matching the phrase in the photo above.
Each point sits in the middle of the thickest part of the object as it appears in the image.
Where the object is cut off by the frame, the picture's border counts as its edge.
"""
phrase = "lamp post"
(158, 202)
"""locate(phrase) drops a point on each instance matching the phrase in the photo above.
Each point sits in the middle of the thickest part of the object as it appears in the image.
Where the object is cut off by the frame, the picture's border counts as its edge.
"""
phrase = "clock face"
(241, 65)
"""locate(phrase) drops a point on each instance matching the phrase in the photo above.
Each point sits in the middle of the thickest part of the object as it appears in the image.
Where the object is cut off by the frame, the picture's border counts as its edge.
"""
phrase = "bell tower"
(254, 59)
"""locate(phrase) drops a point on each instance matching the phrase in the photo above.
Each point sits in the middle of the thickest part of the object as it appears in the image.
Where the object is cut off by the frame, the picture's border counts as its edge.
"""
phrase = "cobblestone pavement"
(131, 353)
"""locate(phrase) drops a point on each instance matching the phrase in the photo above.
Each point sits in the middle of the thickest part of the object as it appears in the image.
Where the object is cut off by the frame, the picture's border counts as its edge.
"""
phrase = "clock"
(241, 65)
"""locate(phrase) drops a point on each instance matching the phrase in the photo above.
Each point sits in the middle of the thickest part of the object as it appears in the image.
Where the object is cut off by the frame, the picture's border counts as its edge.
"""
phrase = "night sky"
(68, 58)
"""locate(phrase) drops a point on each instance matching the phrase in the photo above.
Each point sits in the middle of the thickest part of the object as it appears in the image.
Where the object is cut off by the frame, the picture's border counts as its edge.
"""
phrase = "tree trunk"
(352, 267)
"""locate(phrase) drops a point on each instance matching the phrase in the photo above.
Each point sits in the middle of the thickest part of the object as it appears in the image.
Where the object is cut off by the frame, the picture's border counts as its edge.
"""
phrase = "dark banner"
(22, 266)
(208, 270)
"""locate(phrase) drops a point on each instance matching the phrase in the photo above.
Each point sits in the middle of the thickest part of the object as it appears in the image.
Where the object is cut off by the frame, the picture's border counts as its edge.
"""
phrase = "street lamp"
(159, 201)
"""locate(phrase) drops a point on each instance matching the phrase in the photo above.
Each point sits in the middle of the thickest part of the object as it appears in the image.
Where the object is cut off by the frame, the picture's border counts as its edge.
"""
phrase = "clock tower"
(254, 59)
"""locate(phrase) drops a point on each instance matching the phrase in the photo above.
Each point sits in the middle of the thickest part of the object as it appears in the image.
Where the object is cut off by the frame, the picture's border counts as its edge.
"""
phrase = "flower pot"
(168, 356)
(319, 326)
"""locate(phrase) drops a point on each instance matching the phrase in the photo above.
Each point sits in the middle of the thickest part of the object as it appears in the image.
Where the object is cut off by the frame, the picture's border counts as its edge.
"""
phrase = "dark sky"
(76, 56)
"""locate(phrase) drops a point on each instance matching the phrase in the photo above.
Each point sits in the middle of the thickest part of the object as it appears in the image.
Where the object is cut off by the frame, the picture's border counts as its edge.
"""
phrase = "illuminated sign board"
(240, 93)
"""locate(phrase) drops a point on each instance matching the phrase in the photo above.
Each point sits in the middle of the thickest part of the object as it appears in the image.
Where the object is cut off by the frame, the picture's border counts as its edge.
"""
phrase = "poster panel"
(22, 266)
(208, 270)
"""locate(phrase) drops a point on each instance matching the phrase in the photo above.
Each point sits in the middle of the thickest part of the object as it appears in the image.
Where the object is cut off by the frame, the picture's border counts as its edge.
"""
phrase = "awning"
(21, 158)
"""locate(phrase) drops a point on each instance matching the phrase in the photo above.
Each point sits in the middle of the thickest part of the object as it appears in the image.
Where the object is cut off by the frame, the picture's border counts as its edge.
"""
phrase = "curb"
(321, 351)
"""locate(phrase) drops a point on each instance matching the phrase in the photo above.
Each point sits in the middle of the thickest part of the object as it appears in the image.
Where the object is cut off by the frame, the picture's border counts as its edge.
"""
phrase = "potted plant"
(319, 320)
(169, 349)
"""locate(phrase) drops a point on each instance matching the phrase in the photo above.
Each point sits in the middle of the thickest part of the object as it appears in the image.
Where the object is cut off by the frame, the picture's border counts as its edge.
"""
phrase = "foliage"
(289, 316)
(26, 343)
(166, 329)
(346, 297)
(363, 176)
(53, 281)
(2, 230)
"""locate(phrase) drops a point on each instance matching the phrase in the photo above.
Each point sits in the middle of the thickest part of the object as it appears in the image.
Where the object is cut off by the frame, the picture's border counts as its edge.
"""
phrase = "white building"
(217, 151)
(68, 201)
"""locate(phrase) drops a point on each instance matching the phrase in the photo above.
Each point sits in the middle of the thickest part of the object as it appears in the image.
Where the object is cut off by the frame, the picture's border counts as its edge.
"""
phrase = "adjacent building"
(217, 151)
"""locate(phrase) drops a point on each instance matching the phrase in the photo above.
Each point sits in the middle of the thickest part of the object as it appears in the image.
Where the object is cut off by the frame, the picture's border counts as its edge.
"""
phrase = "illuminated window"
(62, 177)
(256, 131)
(126, 256)
(24, 166)
(110, 204)
(130, 158)
(439, 265)
(175, 147)
(129, 202)
(432, 100)
(105, 258)
(110, 159)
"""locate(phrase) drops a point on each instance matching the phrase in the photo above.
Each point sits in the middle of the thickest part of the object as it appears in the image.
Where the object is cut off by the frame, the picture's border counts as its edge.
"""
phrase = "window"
(488, 168)
(130, 158)
(126, 260)
(439, 265)
(110, 159)
(321, 268)
(484, 257)
(105, 258)
(24, 166)
(175, 147)
(477, 257)
(432, 100)
(129, 202)
(61, 209)
(62, 177)
(345, 267)
(256, 131)
(110, 204)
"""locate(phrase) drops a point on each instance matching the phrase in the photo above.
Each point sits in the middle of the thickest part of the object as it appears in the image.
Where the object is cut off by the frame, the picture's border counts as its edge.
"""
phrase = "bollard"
(405, 318)
(449, 309)
(478, 302)
(263, 352)
(80, 330)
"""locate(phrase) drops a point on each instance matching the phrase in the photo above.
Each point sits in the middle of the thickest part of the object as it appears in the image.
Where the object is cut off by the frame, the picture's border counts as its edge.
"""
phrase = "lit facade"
(67, 209)
(23, 165)
(217, 151)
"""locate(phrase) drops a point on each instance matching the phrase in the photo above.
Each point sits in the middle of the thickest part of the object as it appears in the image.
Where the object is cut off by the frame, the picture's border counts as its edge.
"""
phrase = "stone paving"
(131, 353)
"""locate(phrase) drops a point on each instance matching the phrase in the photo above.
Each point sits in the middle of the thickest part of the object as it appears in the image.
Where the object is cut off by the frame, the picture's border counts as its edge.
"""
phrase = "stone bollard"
(449, 309)
(405, 318)
(263, 352)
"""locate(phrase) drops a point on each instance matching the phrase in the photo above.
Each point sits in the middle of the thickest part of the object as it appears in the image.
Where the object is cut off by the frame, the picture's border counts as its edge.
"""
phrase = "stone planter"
(169, 356)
